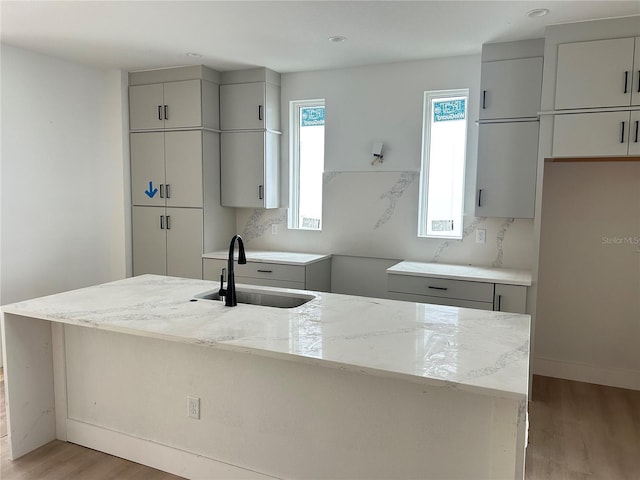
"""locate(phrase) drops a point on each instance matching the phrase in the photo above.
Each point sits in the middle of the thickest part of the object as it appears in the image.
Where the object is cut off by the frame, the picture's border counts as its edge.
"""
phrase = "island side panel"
(28, 371)
(285, 418)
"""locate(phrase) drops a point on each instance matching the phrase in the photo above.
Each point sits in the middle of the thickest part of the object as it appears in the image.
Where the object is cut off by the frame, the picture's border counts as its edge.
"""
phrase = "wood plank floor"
(578, 431)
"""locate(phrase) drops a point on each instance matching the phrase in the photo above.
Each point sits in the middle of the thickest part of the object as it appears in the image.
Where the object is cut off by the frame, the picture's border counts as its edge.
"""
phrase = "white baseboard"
(162, 457)
(580, 372)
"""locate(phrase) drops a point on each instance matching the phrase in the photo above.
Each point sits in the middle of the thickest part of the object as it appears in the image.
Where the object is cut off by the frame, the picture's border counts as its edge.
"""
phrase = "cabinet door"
(149, 241)
(183, 159)
(591, 134)
(145, 107)
(242, 106)
(592, 74)
(183, 101)
(507, 166)
(242, 169)
(634, 134)
(147, 168)
(510, 298)
(184, 242)
(635, 87)
(511, 88)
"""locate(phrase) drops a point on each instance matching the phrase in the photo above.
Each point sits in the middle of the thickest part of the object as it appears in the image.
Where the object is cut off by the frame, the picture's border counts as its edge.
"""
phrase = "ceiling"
(287, 36)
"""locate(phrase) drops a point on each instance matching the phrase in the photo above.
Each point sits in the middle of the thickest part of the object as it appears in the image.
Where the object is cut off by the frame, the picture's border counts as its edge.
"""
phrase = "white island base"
(279, 396)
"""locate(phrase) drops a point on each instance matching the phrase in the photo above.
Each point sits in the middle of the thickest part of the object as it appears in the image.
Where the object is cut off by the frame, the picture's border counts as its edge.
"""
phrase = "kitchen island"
(339, 387)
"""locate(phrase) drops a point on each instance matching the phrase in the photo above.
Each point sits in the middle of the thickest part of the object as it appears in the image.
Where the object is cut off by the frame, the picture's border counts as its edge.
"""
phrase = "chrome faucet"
(230, 297)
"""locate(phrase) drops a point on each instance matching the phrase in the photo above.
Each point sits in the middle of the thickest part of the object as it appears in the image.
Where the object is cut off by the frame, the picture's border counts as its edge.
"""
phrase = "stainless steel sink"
(262, 298)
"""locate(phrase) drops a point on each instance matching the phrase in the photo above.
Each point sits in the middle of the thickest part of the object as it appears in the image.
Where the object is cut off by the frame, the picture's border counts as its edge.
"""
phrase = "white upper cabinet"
(181, 104)
(511, 88)
(249, 169)
(635, 87)
(506, 176)
(596, 74)
(600, 134)
(249, 106)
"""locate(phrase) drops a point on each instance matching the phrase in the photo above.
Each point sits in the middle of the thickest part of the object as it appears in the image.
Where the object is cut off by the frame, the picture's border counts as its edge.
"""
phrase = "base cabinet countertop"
(468, 286)
(341, 386)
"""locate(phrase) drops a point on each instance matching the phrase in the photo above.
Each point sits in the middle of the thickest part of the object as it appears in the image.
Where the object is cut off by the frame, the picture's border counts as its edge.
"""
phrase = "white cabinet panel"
(147, 168)
(184, 242)
(591, 134)
(452, 302)
(145, 107)
(634, 134)
(507, 166)
(635, 87)
(149, 241)
(170, 105)
(183, 102)
(183, 156)
(439, 287)
(592, 74)
(243, 106)
(511, 88)
(249, 169)
(510, 298)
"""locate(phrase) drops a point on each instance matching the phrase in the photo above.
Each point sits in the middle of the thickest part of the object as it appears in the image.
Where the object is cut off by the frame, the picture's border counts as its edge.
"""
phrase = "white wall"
(63, 169)
(372, 211)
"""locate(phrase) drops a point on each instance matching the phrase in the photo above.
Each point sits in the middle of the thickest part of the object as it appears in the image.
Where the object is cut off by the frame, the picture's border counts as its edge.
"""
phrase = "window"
(306, 164)
(444, 146)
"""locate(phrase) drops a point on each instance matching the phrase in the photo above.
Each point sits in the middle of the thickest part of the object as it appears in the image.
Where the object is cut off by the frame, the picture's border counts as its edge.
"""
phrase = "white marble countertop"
(263, 256)
(463, 272)
(472, 350)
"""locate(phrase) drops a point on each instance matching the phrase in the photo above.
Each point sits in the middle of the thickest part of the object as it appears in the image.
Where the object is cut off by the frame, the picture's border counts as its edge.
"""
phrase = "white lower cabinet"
(313, 276)
(167, 241)
(457, 293)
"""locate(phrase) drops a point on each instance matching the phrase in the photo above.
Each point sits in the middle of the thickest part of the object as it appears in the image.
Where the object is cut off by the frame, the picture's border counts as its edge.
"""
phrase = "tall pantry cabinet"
(175, 170)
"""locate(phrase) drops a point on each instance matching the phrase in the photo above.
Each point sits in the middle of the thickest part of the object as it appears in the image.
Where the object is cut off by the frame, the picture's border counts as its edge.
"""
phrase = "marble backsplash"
(375, 214)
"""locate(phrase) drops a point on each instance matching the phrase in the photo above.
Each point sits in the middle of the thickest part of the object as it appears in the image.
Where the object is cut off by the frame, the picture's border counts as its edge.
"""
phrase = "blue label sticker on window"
(311, 116)
(449, 110)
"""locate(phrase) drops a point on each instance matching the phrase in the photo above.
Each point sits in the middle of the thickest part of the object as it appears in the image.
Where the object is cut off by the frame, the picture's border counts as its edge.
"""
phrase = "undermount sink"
(262, 298)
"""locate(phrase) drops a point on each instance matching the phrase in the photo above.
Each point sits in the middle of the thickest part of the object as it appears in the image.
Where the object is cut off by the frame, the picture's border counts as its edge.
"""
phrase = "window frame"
(425, 160)
(295, 106)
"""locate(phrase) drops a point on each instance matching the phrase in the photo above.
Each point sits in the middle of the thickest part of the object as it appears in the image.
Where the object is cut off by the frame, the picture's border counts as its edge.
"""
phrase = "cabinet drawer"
(267, 271)
(267, 282)
(452, 302)
(439, 287)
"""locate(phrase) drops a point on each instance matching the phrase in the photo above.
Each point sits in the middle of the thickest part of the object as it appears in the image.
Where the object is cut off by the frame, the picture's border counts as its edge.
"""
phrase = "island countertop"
(472, 350)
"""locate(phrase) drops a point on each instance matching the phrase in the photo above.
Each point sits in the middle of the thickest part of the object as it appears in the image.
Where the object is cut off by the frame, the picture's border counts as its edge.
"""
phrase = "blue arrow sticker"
(152, 191)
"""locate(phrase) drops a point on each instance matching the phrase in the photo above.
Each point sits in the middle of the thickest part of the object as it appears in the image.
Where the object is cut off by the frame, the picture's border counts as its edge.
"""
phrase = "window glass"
(444, 146)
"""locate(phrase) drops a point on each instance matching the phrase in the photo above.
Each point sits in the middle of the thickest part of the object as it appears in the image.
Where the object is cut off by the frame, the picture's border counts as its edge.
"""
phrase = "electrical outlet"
(274, 229)
(481, 235)
(193, 407)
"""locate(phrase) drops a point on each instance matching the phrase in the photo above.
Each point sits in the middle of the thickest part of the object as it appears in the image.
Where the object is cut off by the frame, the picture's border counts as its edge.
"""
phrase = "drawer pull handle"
(265, 271)
(636, 140)
(626, 81)
(260, 112)
(484, 99)
(438, 288)
(622, 132)
(166, 112)
(161, 222)
(499, 303)
(160, 112)
(480, 197)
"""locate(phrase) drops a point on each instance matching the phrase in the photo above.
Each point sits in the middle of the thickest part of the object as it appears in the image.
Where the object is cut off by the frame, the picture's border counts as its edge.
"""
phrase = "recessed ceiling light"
(193, 54)
(538, 12)
(337, 39)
